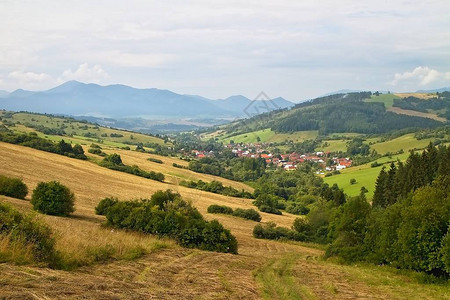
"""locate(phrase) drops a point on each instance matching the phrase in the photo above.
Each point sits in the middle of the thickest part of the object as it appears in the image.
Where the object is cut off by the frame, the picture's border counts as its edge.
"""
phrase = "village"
(324, 161)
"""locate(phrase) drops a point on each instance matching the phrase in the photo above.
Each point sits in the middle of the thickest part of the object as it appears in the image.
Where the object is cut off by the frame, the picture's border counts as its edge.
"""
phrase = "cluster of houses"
(286, 161)
(290, 161)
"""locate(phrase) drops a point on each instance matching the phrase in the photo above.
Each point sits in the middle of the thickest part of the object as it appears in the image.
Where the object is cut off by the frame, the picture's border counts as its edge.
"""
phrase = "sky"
(294, 49)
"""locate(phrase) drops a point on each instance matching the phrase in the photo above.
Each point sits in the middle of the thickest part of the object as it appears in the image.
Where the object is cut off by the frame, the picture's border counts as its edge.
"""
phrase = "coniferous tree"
(378, 199)
(390, 193)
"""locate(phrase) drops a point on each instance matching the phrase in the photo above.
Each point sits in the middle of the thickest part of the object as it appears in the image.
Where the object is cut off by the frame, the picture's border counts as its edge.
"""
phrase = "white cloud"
(86, 74)
(181, 45)
(148, 60)
(29, 77)
(420, 76)
(26, 80)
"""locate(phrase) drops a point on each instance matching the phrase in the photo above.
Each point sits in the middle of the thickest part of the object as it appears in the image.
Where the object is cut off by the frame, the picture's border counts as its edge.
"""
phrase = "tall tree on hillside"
(378, 199)
(430, 163)
(444, 161)
(390, 193)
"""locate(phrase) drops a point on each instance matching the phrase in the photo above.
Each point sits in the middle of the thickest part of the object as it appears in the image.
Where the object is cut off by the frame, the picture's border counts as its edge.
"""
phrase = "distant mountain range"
(445, 89)
(120, 101)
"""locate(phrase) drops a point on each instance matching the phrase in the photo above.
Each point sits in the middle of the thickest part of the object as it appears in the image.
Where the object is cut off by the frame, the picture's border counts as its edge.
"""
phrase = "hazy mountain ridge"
(444, 89)
(118, 101)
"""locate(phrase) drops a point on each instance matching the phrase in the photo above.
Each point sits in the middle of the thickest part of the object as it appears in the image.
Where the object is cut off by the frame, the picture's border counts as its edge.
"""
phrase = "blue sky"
(294, 49)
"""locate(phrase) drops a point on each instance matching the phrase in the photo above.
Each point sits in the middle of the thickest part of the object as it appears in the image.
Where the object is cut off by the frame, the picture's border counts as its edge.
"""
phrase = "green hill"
(82, 132)
(361, 113)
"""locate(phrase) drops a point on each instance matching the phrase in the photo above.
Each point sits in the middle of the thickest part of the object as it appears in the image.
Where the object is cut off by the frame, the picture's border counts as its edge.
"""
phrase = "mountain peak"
(66, 87)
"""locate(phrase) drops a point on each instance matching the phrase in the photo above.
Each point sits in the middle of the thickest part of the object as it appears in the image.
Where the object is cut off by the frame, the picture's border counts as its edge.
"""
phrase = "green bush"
(96, 151)
(28, 232)
(155, 160)
(249, 214)
(220, 209)
(268, 203)
(13, 187)
(104, 205)
(297, 208)
(114, 162)
(217, 188)
(211, 236)
(166, 214)
(272, 232)
(53, 198)
(269, 209)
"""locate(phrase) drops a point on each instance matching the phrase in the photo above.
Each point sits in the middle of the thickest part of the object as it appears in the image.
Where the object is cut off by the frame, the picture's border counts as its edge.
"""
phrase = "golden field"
(262, 269)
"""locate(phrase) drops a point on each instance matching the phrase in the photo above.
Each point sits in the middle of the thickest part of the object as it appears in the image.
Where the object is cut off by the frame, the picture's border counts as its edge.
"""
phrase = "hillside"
(330, 124)
(342, 113)
(263, 269)
(57, 127)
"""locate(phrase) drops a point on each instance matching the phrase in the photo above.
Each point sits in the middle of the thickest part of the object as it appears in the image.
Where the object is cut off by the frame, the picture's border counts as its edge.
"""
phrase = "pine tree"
(390, 192)
(378, 199)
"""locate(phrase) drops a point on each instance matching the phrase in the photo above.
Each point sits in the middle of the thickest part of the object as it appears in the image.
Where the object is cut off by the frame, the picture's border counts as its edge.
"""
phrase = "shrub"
(297, 208)
(211, 236)
(179, 166)
(217, 188)
(96, 151)
(375, 164)
(249, 214)
(269, 203)
(116, 135)
(104, 205)
(272, 232)
(13, 187)
(95, 146)
(302, 226)
(53, 198)
(269, 209)
(114, 162)
(166, 214)
(31, 234)
(220, 209)
(155, 160)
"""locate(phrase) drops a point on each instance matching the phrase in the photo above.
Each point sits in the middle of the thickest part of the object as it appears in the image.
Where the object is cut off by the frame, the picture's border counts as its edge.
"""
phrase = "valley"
(129, 265)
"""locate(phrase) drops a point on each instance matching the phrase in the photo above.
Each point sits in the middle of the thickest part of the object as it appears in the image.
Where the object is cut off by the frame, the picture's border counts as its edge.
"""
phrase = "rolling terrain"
(262, 269)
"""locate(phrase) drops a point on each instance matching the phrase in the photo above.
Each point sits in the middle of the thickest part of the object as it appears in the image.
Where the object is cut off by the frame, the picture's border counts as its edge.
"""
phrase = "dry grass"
(424, 96)
(173, 273)
(15, 252)
(414, 113)
(173, 175)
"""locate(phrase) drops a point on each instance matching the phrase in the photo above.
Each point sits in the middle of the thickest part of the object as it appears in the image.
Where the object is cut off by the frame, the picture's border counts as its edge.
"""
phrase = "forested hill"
(351, 112)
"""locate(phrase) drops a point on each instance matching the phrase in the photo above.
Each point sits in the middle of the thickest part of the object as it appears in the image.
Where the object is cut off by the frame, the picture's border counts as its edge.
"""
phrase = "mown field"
(262, 269)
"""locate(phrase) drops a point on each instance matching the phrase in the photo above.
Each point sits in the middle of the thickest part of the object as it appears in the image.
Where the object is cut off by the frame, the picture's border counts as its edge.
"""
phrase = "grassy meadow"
(387, 99)
(119, 264)
(268, 136)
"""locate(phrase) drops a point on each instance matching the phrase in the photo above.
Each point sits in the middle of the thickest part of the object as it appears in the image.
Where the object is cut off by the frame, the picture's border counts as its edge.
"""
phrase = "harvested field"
(262, 269)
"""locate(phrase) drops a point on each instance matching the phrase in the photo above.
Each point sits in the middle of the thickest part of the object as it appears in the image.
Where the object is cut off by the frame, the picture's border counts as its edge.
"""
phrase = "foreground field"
(263, 269)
